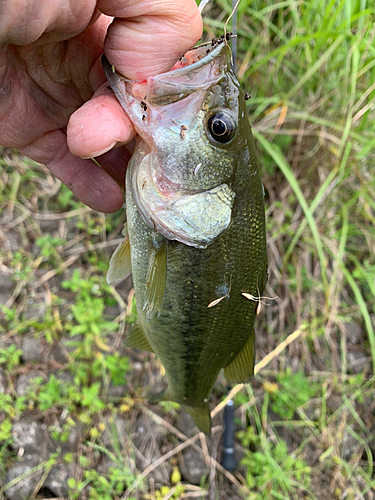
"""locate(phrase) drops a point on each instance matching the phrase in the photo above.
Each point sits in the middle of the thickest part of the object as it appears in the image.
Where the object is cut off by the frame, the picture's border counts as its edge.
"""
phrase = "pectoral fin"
(120, 264)
(241, 369)
(155, 281)
(137, 339)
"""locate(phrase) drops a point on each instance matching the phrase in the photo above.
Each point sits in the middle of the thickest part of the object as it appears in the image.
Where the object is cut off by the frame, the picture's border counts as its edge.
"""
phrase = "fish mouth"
(199, 69)
(200, 55)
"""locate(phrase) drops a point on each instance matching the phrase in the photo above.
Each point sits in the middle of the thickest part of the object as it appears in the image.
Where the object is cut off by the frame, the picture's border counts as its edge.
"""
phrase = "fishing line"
(233, 49)
(202, 5)
(234, 30)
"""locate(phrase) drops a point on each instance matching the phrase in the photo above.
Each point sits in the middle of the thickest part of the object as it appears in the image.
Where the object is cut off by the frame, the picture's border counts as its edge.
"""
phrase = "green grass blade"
(364, 311)
(315, 67)
(314, 205)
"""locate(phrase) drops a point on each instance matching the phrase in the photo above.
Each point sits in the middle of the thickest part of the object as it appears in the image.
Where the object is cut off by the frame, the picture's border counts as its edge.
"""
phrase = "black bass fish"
(195, 240)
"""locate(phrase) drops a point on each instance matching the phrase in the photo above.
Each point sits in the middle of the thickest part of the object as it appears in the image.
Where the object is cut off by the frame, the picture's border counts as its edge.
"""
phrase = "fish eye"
(221, 126)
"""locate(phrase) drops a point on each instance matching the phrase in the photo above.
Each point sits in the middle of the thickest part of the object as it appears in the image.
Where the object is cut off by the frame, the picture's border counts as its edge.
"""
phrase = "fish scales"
(184, 259)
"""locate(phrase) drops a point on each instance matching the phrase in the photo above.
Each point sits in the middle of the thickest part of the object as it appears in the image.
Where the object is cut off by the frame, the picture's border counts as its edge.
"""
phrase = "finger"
(24, 21)
(115, 162)
(97, 76)
(149, 36)
(41, 86)
(98, 125)
(91, 184)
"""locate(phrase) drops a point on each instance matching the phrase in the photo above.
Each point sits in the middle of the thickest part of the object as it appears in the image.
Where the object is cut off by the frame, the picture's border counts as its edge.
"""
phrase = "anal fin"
(137, 339)
(155, 280)
(120, 264)
(241, 369)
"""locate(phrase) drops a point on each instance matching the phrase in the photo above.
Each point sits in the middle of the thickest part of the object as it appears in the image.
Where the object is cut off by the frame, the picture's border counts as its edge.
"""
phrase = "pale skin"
(55, 106)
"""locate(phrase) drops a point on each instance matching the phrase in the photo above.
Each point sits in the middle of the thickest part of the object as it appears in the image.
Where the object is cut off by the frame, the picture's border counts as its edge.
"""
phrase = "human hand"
(54, 103)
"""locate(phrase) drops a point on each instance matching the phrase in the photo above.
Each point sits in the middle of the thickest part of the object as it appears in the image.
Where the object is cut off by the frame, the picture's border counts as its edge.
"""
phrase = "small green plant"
(10, 314)
(62, 433)
(102, 487)
(88, 310)
(66, 199)
(88, 315)
(12, 407)
(169, 406)
(91, 297)
(294, 390)
(22, 265)
(6, 440)
(94, 366)
(271, 469)
(112, 364)
(55, 393)
(63, 394)
(6, 430)
(10, 357)
(48, 245)
(92, 226)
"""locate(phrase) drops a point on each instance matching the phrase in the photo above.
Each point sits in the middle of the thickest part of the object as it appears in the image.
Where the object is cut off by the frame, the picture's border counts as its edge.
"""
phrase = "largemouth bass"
(195, 240)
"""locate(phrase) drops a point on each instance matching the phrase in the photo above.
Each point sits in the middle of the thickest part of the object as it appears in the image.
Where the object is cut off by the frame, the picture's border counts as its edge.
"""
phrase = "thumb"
(147, 37)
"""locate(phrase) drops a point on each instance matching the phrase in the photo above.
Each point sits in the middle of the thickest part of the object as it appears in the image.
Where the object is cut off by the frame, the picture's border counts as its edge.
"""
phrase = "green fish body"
(196, 225)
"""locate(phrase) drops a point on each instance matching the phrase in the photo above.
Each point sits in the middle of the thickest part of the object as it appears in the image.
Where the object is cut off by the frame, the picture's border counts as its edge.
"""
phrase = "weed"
(22, 266)
(10, 357)
(272, 470)
(48, 245)
(114, 364)
(12, 408)
(62, 434)
(66, 199)
(294, 390)
(169, 406)
(102, 487)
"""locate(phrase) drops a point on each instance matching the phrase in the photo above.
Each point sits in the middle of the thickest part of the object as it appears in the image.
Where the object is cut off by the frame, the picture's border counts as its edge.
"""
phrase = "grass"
(305, 427)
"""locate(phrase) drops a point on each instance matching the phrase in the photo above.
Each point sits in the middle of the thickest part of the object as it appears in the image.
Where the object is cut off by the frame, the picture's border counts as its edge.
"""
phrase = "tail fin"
(201, 416)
